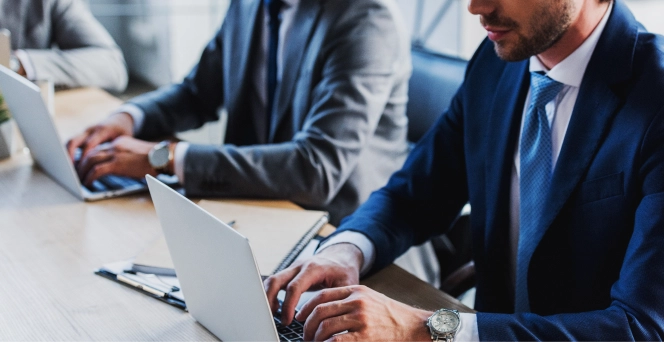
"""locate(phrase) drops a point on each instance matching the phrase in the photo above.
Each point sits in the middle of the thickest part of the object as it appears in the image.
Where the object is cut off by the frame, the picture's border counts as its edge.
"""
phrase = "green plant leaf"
(4, 111)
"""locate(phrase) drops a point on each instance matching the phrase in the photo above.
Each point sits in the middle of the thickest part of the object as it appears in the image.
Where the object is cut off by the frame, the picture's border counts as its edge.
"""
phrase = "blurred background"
(162, 39)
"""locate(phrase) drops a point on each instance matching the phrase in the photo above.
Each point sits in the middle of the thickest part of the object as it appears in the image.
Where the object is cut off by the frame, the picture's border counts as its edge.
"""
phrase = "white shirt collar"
(571, 70)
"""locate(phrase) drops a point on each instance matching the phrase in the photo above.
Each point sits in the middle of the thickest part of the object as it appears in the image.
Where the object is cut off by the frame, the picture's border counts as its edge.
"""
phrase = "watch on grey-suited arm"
(316, 95)
(555, 138)
(60, 41)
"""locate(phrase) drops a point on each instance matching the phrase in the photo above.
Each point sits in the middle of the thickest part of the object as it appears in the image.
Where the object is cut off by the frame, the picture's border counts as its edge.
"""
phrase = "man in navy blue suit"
(556, 138)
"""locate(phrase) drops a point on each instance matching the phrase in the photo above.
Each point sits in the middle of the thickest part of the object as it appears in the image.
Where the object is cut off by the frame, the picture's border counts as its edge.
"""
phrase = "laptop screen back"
(36, 124)
(216, 269)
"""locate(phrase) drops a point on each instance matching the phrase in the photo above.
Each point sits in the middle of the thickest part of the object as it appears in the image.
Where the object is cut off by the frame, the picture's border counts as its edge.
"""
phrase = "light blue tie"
(535, 178)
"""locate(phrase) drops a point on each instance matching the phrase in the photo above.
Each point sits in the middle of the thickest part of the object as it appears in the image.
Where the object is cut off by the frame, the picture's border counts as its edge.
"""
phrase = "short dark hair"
(605, 1)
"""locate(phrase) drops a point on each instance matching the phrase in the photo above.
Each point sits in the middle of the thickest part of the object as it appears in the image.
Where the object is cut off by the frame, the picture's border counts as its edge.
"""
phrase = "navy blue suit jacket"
(598, 270)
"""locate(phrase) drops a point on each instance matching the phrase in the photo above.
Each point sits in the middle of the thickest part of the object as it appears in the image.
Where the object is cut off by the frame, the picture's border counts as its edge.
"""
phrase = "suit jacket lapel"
(505, 118)
(243, 38)
(595, 107)
(303, 24)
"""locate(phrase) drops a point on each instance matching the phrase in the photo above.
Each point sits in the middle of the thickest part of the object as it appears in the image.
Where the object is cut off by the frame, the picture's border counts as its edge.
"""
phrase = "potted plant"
(6, 130)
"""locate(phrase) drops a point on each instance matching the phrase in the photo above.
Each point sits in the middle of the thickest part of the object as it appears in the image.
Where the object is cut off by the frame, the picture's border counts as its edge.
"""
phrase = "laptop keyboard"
(111, 182)
(293, 332)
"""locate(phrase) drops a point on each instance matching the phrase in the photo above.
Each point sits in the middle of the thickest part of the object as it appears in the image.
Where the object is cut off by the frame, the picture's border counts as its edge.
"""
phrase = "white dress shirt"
(26, 63)
(259, 77)
(569, 72)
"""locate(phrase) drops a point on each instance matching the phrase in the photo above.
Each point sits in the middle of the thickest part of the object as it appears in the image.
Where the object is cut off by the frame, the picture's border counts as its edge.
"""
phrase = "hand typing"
(124, 156)
(335, 266)
(114, 126)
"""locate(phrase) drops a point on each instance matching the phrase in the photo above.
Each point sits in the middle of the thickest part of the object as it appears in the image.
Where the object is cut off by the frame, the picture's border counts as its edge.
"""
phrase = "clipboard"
(277, 235)
(147, 284)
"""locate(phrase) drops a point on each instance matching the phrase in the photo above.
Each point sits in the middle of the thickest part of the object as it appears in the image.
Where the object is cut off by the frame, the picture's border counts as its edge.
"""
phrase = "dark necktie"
(535, 178)
(273, 8)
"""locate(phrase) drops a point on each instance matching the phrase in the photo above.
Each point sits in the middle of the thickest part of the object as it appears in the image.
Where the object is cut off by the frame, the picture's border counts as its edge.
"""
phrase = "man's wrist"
(351, 254)
(124, 121)
(170, 167)
(359, 240)
(421, 330)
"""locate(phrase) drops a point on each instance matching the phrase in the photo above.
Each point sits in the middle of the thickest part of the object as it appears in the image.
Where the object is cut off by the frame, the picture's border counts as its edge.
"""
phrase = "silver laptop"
(36, 124)
(217, 272)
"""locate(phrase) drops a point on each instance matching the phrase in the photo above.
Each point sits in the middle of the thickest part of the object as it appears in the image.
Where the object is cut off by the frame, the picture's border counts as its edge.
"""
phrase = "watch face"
(159, 157)
(444, 322)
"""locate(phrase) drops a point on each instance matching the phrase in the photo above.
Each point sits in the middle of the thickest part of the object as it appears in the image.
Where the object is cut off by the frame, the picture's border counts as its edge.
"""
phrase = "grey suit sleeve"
(363, 58)
(186, 105)
(85, 54)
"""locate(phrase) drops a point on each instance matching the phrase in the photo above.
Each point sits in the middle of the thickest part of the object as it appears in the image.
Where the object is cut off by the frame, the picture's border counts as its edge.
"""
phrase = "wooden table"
(50, 243)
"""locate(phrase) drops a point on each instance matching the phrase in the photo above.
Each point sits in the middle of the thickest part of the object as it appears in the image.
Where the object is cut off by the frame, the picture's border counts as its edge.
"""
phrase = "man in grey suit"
(316, 93)
(60, 40)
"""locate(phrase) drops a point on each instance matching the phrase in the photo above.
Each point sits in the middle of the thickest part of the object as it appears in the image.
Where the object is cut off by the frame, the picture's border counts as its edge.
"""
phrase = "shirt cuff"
(178, 160)
(136, 114)
(26, 63)
(358, 239)
(468, 331)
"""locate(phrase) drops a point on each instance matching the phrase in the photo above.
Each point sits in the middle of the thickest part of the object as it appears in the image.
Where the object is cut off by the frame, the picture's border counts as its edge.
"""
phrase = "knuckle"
(325, 325)
(362, 317)
(357, 303)
(293, 287)
(295, 265)
(100, 169)
(359, 288)
(309, 266)
(317, 311)
(325, 293)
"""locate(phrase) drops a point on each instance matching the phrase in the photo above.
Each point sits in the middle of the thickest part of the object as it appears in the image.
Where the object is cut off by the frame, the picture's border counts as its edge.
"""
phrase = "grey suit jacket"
(339, 130)
(65, 43)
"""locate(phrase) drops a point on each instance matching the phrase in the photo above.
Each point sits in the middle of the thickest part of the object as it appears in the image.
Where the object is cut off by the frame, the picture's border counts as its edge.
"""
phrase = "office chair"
(434, 82)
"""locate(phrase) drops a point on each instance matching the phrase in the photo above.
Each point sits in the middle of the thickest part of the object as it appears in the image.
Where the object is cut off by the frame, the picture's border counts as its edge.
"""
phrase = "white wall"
(161, 39)
(458, 33)
(650, 13)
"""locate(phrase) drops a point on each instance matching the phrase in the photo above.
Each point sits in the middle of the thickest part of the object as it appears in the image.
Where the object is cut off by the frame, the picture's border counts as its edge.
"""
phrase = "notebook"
(279, 234)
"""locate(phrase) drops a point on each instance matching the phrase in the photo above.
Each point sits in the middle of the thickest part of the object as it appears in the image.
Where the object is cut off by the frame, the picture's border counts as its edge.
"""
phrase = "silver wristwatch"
(159, 156)
(444, 324)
